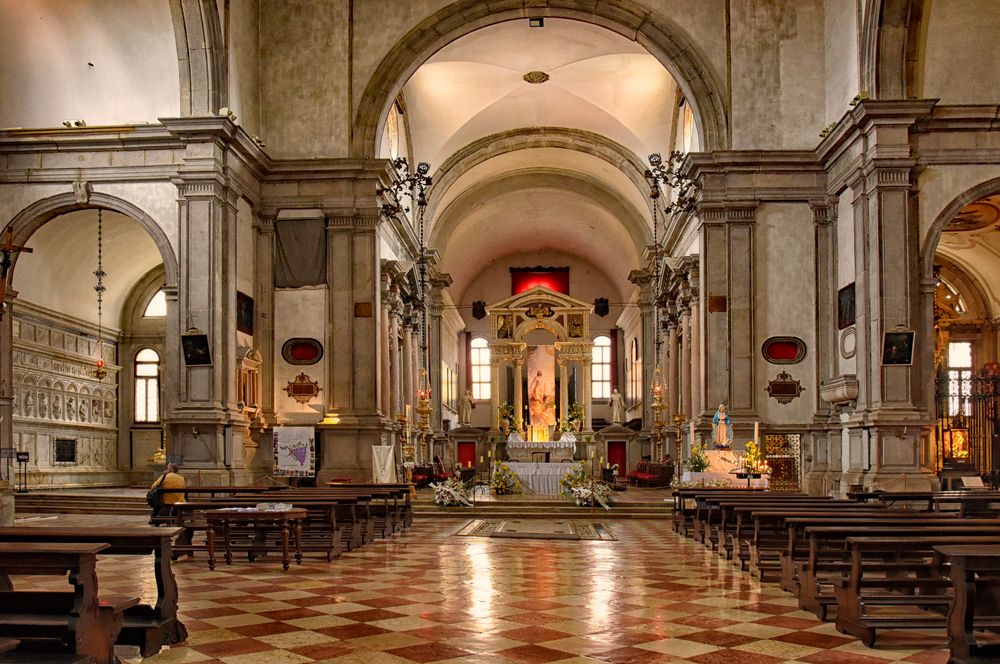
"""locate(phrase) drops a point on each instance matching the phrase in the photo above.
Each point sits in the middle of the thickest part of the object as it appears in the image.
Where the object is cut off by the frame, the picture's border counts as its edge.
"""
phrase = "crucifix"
(7, 251)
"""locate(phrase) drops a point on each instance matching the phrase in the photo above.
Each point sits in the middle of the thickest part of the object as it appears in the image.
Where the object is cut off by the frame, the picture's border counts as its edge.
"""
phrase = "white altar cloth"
(540, 478)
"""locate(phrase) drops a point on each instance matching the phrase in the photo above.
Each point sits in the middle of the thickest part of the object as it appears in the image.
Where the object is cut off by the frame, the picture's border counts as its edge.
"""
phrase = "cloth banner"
(294, 451)
(383, 464)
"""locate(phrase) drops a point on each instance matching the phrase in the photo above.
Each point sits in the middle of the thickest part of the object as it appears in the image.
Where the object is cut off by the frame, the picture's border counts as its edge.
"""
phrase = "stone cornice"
(757, 175)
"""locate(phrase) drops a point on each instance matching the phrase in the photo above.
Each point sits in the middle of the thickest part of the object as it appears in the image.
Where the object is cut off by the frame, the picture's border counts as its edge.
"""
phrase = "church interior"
(383, 243)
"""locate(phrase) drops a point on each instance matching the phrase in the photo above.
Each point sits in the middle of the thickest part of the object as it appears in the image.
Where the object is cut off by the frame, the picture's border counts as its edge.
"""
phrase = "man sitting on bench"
(170, 480)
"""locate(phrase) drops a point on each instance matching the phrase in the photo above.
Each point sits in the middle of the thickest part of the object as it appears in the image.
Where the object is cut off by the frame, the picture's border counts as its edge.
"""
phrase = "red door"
(467, 454)
(616, 454)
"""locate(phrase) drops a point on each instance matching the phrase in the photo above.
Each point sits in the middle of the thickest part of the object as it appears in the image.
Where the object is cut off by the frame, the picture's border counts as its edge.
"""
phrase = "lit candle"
(756, 432)
(600, 462)
(591, 454)
(481, 459)
(489, 453)
(691, 429)
(608, 466)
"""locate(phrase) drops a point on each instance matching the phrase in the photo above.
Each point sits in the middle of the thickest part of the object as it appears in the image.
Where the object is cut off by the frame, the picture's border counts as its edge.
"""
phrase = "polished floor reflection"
(425, 596)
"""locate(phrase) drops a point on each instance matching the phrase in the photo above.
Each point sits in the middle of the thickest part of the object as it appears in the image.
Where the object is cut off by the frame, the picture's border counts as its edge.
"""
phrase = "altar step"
(525, 508)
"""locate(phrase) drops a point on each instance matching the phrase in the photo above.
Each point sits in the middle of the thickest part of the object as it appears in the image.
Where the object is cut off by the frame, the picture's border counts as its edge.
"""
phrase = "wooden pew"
(324, 531)
(818, 574)
(357, 508)
(778, 540)
(969, 567)
(683, 514)
(723, 527)
(76, 622)
(896, 573)
(709, 511)
(401, 491)
(148, 626)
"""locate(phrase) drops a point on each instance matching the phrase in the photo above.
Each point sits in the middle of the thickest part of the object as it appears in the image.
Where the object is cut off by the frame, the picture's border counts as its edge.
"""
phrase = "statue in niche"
(617, 404)
(465, 408)
(29, 404)
(56, 407)
(575, 326)
(95, 409)
(84, 409)
(15, 405)
(70, 408)
(108, 410)
(43, 404)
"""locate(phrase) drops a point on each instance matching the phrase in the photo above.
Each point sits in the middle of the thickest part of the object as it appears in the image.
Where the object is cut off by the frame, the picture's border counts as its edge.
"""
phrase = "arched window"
(600, 376)
(479, 357)
(147, 385)
(157, 306)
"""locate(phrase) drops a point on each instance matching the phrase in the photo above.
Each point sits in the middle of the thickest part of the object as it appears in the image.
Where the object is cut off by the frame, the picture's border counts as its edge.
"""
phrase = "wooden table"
(970, 564)
(287, 521)
(149, 627)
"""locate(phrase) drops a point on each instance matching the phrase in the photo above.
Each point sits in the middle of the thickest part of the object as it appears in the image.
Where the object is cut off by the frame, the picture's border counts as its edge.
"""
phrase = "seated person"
(170, 479)
(666, 458)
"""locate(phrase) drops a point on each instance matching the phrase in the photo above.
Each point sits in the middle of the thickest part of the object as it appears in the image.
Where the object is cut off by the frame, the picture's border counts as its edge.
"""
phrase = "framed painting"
(897, 348)
(846, 313)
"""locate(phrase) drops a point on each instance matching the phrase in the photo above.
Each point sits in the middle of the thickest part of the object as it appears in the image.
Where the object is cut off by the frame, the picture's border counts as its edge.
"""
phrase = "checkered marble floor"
(425, 596)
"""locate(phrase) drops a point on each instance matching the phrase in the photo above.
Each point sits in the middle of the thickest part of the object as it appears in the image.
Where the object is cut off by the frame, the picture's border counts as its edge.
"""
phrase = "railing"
(968, 420)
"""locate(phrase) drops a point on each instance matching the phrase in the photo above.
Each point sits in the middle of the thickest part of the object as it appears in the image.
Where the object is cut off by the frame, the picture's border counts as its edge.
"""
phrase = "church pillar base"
(346, 451)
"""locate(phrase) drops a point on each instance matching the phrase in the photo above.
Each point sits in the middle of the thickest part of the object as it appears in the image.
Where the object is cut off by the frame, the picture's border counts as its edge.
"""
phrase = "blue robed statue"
(722, 428)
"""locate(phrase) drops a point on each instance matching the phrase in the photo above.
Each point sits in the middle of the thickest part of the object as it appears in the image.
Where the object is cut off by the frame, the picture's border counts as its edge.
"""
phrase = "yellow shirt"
(171, 481)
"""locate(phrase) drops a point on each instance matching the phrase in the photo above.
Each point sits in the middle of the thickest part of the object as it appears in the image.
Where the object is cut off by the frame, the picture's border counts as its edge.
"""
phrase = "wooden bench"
(148, 626)
(322, 532)
(893, 583)
(683, 514)
(78, 622)
(709, 512)
(819, 574)
(971, 568)
(402, 498)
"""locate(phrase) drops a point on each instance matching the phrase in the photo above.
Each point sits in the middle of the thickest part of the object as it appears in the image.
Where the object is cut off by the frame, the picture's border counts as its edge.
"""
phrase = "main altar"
(566, 321)
(522, 450)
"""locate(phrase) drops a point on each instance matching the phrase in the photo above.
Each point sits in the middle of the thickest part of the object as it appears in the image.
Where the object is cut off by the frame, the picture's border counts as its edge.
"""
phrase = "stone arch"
(526, 138)
(933, 236)
(889, 45)
(201, 57)
(656, 34)
(33, 217)
(630, 218)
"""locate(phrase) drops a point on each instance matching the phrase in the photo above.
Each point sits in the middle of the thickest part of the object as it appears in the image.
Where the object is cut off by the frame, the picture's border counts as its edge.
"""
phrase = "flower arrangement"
(506, 415)
(451, 492)
(575, 416)
(681, 484)
(505, 481)
(698, 461)
(584, 490)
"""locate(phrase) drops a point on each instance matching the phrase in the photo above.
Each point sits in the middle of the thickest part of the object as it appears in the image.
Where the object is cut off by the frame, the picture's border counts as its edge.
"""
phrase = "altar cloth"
(540, 478)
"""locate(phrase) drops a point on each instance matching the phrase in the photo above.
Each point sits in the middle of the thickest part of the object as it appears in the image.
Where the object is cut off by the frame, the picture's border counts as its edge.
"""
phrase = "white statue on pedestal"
(617, 404)
(465, 409)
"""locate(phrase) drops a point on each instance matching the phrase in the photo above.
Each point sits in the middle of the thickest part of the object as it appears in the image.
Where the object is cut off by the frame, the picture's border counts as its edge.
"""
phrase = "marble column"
(7, 374)
(264, 311)
(697, 358)
(644, 280)
(494, 394)
(518, 395)
(563, 388)
(435, 309)
(588, 409)
(727, 278)
(817, 443)
(407, 361)
(673, 366)
(206, 405)
(395, 374)
(685, 359)
(384, 389)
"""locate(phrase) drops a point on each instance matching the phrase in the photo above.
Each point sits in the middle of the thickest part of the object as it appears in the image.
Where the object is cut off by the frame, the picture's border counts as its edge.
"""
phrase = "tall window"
(147, 386)
(157, 306)
(601, 368)
(480, 360)
(959, 377)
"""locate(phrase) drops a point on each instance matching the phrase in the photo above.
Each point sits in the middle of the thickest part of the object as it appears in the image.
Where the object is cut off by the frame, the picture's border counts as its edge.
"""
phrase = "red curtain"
(466, 454)
(556, 279)
(616, 454)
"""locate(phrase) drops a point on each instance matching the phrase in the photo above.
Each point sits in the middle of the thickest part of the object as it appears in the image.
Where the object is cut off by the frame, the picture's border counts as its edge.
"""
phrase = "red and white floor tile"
(425, 596)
